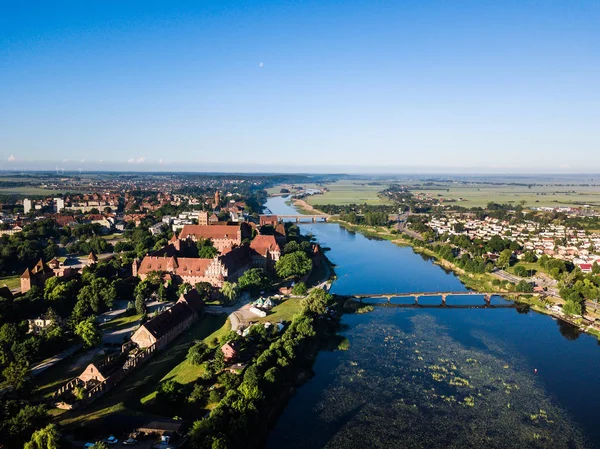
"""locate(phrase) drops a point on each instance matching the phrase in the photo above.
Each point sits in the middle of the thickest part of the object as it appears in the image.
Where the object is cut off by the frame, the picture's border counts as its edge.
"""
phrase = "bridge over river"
(304, 217)
(487, 297)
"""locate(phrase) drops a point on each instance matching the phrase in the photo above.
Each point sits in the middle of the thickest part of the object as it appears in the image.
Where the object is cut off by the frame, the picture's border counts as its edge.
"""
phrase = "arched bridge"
(487, 297)
(302, 217)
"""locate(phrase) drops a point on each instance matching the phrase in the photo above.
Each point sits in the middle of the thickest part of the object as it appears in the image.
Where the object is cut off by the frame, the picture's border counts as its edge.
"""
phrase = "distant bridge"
(487, 297)
(305, 217)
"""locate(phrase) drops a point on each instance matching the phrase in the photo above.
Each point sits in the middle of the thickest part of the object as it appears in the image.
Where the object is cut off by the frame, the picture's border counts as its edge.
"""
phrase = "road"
(50, 362)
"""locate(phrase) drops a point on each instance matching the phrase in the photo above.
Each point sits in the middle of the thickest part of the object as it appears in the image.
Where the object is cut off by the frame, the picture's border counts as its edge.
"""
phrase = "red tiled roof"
(210, 231)
(264, 243)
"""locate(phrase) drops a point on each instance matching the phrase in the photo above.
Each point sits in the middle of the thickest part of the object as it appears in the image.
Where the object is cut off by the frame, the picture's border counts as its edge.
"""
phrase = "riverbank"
(476, 282)
(304, 208)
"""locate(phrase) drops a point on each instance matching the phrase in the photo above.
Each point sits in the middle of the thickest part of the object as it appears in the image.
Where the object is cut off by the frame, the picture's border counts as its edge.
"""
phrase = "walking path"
(50, 362)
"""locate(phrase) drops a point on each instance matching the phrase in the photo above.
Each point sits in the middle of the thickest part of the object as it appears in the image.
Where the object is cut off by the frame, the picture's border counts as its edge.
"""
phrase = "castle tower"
(217, 199)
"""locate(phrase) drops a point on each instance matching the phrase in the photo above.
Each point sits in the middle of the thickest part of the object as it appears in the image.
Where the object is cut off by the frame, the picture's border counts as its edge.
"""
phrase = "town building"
(222, 236)
(35, 276)
(225, 267)
(270, 220)
(26, 205)
(163, 328)
(230, 351)
(265, 251)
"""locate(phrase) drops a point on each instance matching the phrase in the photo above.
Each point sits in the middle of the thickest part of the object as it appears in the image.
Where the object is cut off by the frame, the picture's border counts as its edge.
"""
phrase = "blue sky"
(344, 85)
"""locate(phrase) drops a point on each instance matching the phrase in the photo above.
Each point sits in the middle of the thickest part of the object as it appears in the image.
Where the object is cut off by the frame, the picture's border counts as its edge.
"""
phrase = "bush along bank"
(243, 416)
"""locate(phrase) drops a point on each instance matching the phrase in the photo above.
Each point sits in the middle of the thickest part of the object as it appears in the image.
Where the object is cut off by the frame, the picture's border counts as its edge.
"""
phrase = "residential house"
(230, 351)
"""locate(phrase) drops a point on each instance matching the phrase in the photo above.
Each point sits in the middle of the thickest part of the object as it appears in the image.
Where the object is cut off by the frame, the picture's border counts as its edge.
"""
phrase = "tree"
(16, 373)
(291, 247)
(140, 305)
(520, 270)
(46, 438)
(204, 289)
(230, 291)
(504, 258)
(572, 307)
(316, 302)
(299, 289)
(198, 353)
(183, 288)
(295, 264)
(162, 292)
(254, 279)
(206, 249)
(88, 331)
(98, 294)
(524, 287)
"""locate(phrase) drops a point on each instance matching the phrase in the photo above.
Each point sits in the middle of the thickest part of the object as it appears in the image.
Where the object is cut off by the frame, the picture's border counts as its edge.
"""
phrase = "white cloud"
(11, 158)
(160, 161)
(138, 160)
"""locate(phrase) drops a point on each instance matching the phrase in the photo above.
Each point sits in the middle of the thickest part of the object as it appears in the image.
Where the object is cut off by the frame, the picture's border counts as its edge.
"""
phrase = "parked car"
(111, 440)
(130, 442)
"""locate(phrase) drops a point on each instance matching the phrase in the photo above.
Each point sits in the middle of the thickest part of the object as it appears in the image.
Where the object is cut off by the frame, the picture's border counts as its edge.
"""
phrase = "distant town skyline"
(356, 87)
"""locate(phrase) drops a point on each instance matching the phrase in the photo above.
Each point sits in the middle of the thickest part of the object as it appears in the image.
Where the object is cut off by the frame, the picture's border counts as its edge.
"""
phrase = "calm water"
(439, 378)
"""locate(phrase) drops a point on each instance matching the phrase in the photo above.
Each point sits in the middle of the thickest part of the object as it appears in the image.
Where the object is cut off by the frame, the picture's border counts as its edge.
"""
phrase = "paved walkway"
(50, 362)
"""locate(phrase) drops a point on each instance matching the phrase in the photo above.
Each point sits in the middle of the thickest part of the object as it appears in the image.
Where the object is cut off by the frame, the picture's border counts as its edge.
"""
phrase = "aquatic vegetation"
(459, 382)
(344, 344)
(419, 382)
(365, 309)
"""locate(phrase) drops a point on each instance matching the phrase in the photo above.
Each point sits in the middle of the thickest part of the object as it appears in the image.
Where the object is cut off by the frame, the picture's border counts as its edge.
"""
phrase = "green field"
(122, 321)
(126, 397)
(13, 282)
(29, 190)
(348, 192)
(283, 311)
(536, 196)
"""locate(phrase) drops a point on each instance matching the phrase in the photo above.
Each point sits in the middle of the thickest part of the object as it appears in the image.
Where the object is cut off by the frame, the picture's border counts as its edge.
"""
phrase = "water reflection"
(429, 378)
(567, 330)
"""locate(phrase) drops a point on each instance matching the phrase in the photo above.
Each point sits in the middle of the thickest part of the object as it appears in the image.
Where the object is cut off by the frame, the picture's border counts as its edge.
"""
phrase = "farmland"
(348, 192)
(479, 195)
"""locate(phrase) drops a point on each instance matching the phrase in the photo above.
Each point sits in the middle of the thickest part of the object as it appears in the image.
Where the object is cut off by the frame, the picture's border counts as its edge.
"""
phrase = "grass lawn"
(348, 192)
(12, 282)
(116, 236)
(120, 322)
(283, 311)
(533, 266)
(126, 396)
(185, 372)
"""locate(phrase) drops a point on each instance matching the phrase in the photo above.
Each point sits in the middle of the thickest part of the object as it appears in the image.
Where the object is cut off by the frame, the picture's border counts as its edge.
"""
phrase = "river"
(437, 378)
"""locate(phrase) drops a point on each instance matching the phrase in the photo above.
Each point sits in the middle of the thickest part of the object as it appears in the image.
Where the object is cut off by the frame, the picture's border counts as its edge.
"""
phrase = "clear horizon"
(476, 87)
